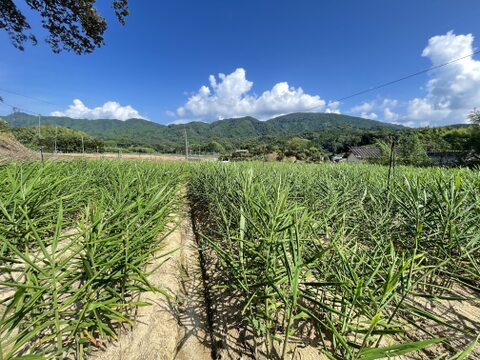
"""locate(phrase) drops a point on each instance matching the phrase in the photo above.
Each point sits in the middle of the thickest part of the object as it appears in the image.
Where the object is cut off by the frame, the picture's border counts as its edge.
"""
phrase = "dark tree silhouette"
(73, 25)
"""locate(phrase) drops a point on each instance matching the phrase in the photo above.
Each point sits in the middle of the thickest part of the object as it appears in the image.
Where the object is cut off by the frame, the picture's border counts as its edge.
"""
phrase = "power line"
(407, 77)
(17, 109)
(28, 97)
(376, 87)
(373, 88)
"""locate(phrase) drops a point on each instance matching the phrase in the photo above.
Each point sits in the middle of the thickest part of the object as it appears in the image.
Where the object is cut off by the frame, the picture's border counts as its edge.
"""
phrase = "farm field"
(337, 259)
(75, 241)
(129, 156)
(282, 261)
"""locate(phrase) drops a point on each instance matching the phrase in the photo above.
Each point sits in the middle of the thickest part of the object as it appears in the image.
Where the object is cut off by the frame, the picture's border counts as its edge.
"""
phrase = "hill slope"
(67, 140)
(233, 131)
(12, 150)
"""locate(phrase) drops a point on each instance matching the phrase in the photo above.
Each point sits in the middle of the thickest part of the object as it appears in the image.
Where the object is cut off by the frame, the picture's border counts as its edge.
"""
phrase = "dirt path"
(174, 328)
(178, 328)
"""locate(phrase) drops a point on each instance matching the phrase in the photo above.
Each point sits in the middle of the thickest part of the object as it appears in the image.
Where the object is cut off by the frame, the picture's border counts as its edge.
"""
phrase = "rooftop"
(366, 152)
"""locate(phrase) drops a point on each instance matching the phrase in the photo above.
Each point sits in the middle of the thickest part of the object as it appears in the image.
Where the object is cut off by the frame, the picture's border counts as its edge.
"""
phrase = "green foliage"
(411, 150)
(445, 138)
(229, 134)
(335, 250)
(210, 147)
(286, 136)
(141, 149)
(385, 150)
(67, 140)
(75, 241)
(476, 140)
(3, 125)
(300, 252)
(474, 117)
(73, 26)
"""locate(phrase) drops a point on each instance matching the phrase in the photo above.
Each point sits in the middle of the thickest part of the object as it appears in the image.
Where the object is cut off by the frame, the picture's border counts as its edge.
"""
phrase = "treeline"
(296, 137)
(66, 140)
(316, 146)
(333, 139)
(411, 145)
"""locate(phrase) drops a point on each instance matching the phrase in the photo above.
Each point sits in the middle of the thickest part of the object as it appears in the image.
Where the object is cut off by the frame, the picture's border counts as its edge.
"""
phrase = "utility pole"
(40, 137)
(186, 145)
(83, 147)
(391, 162)
(55, 146)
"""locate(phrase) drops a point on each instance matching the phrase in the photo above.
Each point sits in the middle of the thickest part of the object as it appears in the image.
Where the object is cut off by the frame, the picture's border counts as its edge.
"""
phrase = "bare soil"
(130, 156)
(184, 326)
(463, 314)
(173, 328)
(232, 338)
(12, 150)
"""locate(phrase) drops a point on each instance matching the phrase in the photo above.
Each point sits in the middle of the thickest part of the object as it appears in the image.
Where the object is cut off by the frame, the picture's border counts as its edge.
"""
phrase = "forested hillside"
(229, 133)
(302, 135)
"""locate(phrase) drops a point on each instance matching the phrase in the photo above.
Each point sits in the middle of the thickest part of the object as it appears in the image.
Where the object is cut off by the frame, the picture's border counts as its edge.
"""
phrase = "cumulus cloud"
(377, 110)
(109, 110)
(453, 90)
(333, 107)
(230, 96)
(390, 116)
(363, 108)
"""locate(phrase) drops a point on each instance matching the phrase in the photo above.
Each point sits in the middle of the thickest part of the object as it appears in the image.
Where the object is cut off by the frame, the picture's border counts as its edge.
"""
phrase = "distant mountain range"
(233, 131)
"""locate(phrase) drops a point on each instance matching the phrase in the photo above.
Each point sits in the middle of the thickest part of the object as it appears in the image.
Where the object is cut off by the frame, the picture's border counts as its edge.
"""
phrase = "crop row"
(76, 239)
(350, 260)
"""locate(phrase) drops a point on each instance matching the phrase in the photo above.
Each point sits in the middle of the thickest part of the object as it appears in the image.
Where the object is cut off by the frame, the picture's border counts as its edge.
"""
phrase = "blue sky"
(277, 56)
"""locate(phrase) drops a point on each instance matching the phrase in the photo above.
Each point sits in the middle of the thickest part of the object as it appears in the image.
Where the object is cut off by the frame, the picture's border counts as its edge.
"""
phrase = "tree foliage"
(67, 140)
(411, 150)
(72, 25)
(308, 137)
(474, 117)
(3, 125)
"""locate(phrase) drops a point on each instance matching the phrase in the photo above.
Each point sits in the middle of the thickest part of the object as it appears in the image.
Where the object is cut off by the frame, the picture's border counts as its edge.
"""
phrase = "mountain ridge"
(233, 130)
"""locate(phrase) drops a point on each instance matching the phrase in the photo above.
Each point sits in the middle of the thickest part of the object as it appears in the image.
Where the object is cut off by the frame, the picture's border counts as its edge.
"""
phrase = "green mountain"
(230, 132)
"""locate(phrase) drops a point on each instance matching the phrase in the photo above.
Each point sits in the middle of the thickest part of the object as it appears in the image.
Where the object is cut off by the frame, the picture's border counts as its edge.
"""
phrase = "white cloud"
(370, 115)
(370, 110)
(230, 96)
(390, 116)
(109, 110)
(185, 121)
(363, 108)
(333, 107)
(453, 90)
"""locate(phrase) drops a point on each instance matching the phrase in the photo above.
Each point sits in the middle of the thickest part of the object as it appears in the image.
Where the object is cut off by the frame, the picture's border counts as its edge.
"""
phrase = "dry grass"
(12, 150)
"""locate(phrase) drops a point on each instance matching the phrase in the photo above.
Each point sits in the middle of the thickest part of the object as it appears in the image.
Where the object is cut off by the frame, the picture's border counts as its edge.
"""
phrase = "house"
(362, 153)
